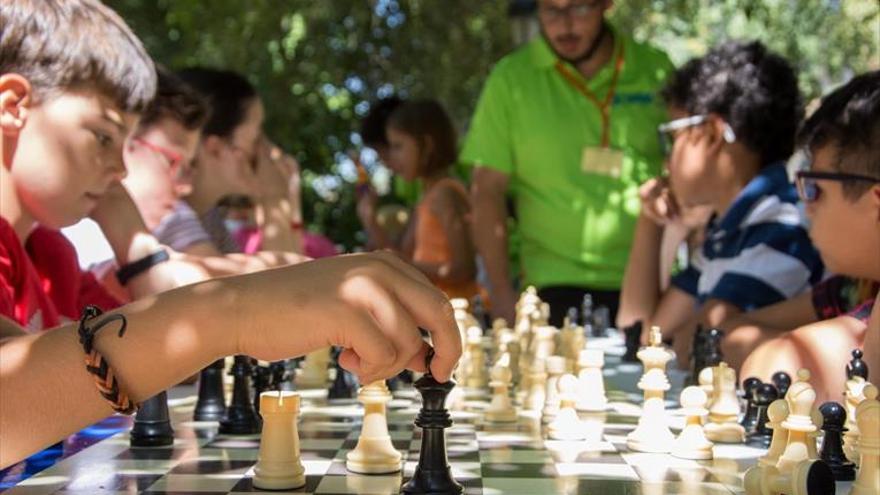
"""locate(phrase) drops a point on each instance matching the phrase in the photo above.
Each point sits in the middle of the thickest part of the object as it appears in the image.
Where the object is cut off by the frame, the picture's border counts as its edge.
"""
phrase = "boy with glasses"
(735, 113)
(841, 190)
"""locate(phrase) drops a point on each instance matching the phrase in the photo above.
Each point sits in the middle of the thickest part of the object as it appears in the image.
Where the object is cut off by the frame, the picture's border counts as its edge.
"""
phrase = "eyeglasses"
(574, 11)
(174, 159)
(808, 189)
(669, 131)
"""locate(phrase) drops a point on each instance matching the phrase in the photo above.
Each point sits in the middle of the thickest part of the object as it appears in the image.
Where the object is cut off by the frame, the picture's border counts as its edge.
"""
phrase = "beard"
(587, 53)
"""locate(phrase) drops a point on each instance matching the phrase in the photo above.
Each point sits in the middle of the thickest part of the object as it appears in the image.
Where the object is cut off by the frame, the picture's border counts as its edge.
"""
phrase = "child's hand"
(366, 205)
(273, 171)
(372, 305)
(658, 202)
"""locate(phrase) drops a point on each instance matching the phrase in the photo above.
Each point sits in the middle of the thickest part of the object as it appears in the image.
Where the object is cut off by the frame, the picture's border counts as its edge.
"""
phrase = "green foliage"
(317, 63)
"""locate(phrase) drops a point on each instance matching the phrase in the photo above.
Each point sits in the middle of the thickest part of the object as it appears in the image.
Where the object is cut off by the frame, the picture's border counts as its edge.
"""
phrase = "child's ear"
(15, 99)
(212, 145)
(719, 132)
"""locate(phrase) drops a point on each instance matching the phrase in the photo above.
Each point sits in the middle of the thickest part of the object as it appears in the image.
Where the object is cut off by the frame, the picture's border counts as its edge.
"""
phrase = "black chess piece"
(241, 418)
(834, 417)
(284, 380)
(152, 426)
(432, 474)
(750, 418)
(781, 380)
(764, 395)
(601, 321)
(587, 310)
(712, 346)
(698, 353)
(210, 405)
(344, 385)
(278, 375)
(632, 337)
(572, 317)
(263, 381)
(857, 367)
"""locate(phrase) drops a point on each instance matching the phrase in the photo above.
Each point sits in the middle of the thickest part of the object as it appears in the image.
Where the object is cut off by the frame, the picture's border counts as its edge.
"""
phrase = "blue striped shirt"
(759, 252)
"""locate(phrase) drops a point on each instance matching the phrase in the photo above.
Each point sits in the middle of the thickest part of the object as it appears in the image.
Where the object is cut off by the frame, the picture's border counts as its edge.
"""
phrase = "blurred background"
(319, 63)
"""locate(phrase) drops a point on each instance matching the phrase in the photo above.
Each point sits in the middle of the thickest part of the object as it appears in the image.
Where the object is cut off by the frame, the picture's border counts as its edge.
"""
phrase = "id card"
(604, 161)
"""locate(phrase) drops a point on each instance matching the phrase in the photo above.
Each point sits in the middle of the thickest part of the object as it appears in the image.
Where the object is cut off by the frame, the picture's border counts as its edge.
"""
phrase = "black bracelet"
(135, 268)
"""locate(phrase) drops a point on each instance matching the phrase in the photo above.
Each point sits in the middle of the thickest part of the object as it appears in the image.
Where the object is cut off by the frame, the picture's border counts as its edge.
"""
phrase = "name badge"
(604, 161)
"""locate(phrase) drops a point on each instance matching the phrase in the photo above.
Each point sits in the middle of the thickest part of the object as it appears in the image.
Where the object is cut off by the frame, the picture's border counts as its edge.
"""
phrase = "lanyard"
(603, 106)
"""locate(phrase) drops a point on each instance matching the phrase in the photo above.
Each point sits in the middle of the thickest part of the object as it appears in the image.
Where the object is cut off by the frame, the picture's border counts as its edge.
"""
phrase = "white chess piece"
(279, 466)
(868, 418)
(854, 395)
(555, 370)
(652, 433)
(692, 442)
(591, 383)
(374, 453)
(777, 412)
(313, 372)
(534, 400)
(706, 379)
(501, 410)
(722, 426)
(566, 425)
(475, 377)
(801, 397)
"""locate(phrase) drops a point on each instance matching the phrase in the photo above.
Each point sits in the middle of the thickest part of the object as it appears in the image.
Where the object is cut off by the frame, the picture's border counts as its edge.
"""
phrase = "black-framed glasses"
(574, 11)
(809, 190)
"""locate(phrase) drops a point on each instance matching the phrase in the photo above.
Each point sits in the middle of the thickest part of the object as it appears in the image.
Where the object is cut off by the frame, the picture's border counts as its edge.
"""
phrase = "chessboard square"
(230, 442)
(324, 434)
(246, 485)
(596, 471)
(360, 484)
(154, 454)
(677, 488)
(196, 483)
(143, 467)
(318, 455)
(517, 470)
(321, 444)
(460, 470)
(517, 456)
(202, 466)
(213, 454)
(559, 485)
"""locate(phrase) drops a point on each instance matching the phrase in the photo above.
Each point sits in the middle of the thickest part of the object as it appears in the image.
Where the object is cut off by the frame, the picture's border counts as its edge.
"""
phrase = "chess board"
(485, 458)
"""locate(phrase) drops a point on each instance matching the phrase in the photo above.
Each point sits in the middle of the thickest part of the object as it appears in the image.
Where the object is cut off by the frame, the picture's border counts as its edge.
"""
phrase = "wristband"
(135, 268)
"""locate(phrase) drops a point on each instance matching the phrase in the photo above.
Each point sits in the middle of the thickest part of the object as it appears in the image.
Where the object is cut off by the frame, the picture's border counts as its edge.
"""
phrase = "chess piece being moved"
(279, 466)
(692, 442)
(374, 453)
(432, 473)
(152, 427)
(868, 418)
(722, 426)
(566, 425)
(591, 384)
(501, 409)
(211, 405)
(833, 418)
(241, 418)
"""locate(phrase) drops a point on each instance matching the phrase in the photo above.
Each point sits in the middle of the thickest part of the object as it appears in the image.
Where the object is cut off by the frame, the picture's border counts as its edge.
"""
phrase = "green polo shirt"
(532, 124)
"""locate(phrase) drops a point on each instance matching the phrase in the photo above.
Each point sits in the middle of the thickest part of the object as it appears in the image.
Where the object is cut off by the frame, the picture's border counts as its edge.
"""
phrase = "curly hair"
(754, 90)
(849, 120)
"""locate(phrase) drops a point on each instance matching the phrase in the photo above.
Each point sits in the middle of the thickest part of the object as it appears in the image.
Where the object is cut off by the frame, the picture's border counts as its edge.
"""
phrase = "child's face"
(228, 165)
(68, 153)
(158, 160)
(846, 232)
(689, 163)
(404, 154)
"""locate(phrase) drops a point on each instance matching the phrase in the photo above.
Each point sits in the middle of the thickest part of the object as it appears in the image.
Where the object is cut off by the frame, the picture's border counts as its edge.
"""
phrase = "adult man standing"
(567, 125)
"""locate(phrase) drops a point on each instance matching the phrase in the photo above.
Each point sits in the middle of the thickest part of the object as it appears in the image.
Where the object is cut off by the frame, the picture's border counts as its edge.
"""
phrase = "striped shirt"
(759, 252)
(181, 228)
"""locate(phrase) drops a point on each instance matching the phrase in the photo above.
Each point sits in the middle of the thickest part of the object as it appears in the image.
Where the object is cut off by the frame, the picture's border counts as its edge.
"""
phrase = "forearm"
(378, 239)
(490, 239)
(278, 216)
(640, 294)
(123, 226)
(42, 375)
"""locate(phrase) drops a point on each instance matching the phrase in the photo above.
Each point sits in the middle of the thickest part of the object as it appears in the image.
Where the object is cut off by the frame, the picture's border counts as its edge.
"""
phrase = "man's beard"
(588, 53)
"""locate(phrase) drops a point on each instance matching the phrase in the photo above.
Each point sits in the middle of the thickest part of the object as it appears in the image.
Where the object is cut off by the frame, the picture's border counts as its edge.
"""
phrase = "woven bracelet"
(97, 366)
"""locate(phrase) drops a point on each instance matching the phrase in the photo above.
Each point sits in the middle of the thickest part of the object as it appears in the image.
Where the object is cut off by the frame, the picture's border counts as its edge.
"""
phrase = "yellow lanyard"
(603, 106)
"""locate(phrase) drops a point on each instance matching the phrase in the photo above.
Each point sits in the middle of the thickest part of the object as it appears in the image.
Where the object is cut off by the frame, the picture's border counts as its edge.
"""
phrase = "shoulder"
(448, 194)
(647, 60)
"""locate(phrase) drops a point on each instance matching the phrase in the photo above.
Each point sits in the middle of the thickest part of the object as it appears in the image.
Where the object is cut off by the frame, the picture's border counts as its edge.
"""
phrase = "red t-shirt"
(41, 285)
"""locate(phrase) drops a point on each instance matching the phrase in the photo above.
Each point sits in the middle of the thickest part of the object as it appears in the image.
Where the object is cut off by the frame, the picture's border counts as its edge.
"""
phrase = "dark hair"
(228, 94)
(424, 119)
(373, 124)
(754, 90)
(177, 100)
(59, 44)
(677, 91)
(849, 120)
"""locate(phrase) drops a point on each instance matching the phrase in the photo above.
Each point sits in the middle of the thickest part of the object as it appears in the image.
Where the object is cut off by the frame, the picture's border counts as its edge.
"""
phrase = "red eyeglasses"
(175, 159)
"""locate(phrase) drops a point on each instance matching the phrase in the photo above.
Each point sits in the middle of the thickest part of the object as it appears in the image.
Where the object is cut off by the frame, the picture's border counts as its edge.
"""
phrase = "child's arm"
(280, 212)
(872, 343)
(366, 211)
(449, 209)
(372, 305)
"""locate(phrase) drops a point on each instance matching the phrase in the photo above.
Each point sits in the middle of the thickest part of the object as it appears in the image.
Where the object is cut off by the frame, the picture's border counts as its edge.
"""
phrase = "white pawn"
(374, 453)
(475, 375)
(868, 418)
(692, 442)
(501, 410)
(566, 425)
(279, 466)
(591, 384)
(706, 379)
(776, 414)
(555, 369)
(724, 410)
(652, 433)
(800, 397)
(854, 395)
(534, 400)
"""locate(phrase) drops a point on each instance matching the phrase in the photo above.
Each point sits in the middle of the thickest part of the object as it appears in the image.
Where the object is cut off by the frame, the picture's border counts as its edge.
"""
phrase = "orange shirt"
(431, 243)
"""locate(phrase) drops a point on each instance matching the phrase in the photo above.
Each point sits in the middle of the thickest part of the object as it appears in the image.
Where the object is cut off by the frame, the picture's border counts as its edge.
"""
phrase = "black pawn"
(632, 337)
(571, 317)
(263, 381)
(152, 426)
(833, 418)
(712, 356)
(432, 474)
(856, 366)
(782, 381)
(698, 353)
(343, 386)
(764, 395)
(587, 310)
(210, 405)
(601, 321)
(241, 419)
(750, 419)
